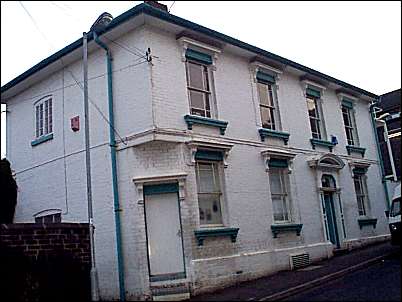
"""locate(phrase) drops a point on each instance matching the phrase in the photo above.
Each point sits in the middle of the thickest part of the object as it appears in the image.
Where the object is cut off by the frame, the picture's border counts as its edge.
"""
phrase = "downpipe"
(112, 142)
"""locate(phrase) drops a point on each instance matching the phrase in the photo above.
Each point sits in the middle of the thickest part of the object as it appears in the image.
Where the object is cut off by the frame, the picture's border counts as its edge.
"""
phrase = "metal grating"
(299, 260)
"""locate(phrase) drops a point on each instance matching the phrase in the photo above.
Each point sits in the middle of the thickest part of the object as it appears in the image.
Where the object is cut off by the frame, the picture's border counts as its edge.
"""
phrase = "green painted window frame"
(347, 103)
(353, 149)
(311, 92)
(201, 234)
(200, 120)
(278, 163)
(359, 171)
(198, 56)
(319, 142)
(286, 227)
(264, 132)
(161, 188)
(265, 78)
(42, 139)
(367, 221)
(209, 155)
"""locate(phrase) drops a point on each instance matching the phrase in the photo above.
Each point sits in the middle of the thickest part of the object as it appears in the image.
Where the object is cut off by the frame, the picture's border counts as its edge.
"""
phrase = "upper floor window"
(199, 82)
(349, 123)
(268, 106)
(314, 113)
(43, 117)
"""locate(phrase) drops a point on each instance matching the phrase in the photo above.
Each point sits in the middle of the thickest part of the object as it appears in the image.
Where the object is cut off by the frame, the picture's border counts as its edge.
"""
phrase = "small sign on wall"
(75, 123)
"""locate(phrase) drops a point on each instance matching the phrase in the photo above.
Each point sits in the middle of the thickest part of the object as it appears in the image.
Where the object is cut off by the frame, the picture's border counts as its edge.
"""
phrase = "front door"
(165, 248)
(331, 218)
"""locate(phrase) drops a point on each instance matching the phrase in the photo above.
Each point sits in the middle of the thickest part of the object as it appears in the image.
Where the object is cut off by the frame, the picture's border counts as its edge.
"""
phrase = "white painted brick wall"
(148, 97)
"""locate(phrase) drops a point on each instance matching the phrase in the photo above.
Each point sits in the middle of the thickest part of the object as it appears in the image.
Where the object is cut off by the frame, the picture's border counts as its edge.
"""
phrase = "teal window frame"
(367, 221)
(265, 78)
(209, 155)
(264, 133)
(161, 188)
(42, 139)
(355, 149)
(286, 227)
(198, 56)
(201, 234)
(200, 120)
(314, 93)
(323, 143)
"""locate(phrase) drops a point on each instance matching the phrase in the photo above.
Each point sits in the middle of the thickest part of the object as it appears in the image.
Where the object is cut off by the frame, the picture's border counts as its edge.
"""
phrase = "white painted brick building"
(229, 225)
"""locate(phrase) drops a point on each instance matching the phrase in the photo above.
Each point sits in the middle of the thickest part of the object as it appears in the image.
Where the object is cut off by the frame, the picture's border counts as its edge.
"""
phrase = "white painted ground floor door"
(165, 249)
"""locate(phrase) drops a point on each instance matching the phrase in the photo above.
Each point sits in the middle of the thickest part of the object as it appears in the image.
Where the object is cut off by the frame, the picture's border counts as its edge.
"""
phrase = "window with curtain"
(209, 192)
(278, 180)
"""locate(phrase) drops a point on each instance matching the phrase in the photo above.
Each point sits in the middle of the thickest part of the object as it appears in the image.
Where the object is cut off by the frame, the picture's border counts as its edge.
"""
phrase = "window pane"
(349, 136)
(50, 116)
(271, 95)
(360, 205)
(37, 121)
(346, 116)
(312, 107)
(41, 119)
(358, 187)
(46, 117)
(277, 208)
(197, 99)
(210, 209)
(263, 94)
(206, 80)
(315, 128)
(275, 183)
(195, 76)
(267, 118)
(208, 178)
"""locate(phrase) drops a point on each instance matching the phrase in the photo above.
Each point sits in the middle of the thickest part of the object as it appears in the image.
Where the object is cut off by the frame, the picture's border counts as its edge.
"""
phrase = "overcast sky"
(357, 42)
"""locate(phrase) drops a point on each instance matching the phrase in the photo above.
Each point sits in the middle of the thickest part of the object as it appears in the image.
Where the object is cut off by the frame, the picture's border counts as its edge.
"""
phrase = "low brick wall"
(45, 261)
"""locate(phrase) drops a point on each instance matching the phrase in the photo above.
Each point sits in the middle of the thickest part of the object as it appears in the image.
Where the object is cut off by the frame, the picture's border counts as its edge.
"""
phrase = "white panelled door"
(164, 234)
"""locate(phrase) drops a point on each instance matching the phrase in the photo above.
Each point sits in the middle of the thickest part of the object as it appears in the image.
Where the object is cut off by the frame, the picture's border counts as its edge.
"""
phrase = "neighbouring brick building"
(231, 162)
(390, 105)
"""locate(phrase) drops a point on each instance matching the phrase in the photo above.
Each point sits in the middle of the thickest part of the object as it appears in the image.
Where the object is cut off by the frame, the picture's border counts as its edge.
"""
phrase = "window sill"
(201, 234)
(355, 149)
(273, 133)
(318, 142)
(367, 221)
(286, 227)
(194, 119)
(42, 139)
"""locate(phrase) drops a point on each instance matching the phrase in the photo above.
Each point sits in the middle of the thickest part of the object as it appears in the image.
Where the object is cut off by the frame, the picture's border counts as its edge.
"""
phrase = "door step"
(170, 290)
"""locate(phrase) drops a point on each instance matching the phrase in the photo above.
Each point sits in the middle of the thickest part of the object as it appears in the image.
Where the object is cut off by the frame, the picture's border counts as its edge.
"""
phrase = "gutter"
(377, 143)
(112, 142)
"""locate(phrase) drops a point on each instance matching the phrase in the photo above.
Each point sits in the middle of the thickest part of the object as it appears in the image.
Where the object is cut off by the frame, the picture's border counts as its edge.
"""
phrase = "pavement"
(284, 284)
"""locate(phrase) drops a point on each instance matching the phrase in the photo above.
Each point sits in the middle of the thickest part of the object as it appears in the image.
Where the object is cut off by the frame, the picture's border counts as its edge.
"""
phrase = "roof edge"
(154, 12)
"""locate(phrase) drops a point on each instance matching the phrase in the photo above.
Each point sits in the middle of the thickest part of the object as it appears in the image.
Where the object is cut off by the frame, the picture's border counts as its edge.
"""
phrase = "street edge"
(308, 285)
